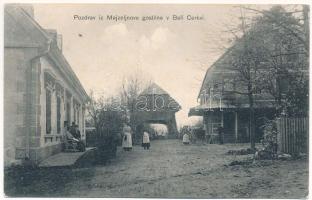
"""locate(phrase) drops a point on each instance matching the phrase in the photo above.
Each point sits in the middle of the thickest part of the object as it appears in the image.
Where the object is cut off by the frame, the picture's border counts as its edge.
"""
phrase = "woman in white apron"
(186, 139)
(127, 139)
(146, 141)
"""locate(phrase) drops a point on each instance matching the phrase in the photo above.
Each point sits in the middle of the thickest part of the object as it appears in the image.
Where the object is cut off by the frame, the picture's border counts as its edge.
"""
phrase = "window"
(58, 114)
(75, 115)
(48, 111)
(78, 115)
(83, 121)
(68, 112)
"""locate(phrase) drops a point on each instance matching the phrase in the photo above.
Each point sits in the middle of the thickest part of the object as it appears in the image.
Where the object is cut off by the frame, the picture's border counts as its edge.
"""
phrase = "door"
(229, 127)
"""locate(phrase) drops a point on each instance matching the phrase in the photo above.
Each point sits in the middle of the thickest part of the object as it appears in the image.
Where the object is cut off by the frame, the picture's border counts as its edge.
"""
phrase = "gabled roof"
(21, 30)
(154, 89)
(59, 59)
(213, 66)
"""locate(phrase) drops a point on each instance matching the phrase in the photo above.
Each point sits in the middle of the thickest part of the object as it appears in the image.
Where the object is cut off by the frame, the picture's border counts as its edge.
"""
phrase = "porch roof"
(201, 109)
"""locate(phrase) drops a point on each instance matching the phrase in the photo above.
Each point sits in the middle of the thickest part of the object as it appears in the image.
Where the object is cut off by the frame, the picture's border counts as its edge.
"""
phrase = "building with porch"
(41, 91)
(223, 104)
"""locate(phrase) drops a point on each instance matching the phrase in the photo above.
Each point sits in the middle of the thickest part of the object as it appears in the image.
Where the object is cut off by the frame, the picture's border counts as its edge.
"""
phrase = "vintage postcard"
(156, 100)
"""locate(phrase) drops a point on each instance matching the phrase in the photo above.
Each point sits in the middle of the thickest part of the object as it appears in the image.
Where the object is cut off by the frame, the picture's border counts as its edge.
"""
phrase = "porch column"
(209, 123)
(83, 122)
(236, 126)
(64, 109)
(72, 110)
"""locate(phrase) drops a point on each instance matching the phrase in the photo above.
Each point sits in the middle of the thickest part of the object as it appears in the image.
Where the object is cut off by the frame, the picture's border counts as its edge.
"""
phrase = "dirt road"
(171, 169)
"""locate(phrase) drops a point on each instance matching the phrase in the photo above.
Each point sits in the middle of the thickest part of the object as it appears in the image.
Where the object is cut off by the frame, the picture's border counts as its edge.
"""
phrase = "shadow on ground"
(51, 181)
(47, 181)
(43, 182)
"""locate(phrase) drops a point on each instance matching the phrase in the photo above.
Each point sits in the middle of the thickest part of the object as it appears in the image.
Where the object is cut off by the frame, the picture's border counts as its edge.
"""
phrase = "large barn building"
(222, 104)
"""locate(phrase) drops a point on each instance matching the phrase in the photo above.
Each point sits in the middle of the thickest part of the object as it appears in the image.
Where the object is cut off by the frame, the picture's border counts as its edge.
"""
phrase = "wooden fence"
(293, 135)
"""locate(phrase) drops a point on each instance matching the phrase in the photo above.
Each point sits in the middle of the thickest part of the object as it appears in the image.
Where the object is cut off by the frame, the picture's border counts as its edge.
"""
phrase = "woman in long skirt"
(186, 139)
(127, 139)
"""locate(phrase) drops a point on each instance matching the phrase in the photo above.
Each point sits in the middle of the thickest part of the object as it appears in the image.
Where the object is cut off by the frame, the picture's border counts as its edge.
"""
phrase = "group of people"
(73, 136)
(187, 133)
(127, 139)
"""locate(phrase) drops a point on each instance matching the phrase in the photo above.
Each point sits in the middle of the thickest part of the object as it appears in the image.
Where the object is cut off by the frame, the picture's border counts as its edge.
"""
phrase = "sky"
(175, 54)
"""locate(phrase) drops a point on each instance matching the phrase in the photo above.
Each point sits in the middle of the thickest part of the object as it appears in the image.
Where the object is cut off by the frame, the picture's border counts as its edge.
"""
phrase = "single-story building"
(41, 91)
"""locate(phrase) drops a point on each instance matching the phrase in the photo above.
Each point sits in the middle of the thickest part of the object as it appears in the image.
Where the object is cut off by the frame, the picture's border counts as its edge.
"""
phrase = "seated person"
(69, 136)
(73, 135)
(78, 135)
(73, 130)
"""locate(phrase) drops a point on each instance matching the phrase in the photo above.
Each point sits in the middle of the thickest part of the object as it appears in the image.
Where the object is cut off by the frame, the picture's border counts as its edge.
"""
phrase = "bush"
(108, 134)
(105, 151)
(269, 141)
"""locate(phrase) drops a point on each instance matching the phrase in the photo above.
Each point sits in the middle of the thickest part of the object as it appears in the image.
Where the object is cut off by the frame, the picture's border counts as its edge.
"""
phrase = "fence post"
(306, 135)
(279, 135)
(292, 135)
(282, 133)
(296, 136)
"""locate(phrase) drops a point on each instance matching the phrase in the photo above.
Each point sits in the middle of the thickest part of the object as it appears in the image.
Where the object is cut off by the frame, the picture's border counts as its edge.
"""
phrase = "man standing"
(221, 134)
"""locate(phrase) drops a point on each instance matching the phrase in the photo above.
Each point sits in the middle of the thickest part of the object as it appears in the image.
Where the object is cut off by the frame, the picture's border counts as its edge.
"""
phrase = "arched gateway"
(155, 105)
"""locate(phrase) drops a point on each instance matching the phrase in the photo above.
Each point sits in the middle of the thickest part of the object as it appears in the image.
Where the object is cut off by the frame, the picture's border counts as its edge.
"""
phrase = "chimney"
(57, 38)
(59, 41)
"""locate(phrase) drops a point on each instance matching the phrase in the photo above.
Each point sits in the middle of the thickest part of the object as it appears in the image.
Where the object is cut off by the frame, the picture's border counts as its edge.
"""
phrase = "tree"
(271, 56)
(294, 21)
(94, 107)
(131, 88)
(108, 121)
(245, 60)
(285, 62)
